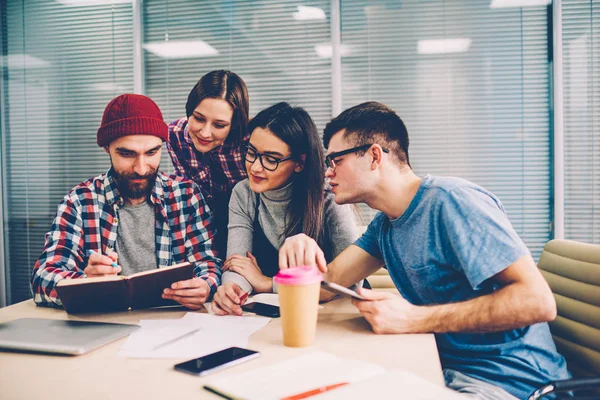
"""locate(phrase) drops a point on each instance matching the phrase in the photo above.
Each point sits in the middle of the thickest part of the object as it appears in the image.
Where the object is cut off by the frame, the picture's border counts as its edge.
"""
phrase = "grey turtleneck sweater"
(340, 225)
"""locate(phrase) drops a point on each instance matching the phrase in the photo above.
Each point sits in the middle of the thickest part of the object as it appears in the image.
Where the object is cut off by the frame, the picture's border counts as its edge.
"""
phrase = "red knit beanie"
(131, 114)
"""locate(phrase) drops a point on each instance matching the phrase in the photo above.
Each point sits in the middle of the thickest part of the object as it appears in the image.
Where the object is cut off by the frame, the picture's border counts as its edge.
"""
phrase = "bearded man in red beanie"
(134, 216)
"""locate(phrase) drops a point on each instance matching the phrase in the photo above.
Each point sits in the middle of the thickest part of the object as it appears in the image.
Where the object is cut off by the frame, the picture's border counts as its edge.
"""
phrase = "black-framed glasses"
(269, 162)
(329, 159)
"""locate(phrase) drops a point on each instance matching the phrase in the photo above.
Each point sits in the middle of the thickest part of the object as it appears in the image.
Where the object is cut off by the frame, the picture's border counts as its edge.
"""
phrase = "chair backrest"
(381, 280)
(572, 269)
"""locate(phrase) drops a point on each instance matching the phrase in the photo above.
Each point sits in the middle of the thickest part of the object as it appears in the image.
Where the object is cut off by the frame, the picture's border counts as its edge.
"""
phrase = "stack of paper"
(194, 335)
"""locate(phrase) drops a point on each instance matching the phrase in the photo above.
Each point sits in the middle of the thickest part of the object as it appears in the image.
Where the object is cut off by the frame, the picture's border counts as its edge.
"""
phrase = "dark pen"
(219, 393)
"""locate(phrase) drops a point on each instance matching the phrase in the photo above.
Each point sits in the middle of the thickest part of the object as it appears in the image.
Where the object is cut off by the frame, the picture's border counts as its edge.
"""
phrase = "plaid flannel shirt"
(87, 219)
(217, 171)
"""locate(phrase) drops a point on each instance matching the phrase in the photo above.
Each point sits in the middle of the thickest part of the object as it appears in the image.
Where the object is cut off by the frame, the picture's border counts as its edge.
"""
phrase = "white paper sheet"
(192, 336)
(242, 325)
(156, 334)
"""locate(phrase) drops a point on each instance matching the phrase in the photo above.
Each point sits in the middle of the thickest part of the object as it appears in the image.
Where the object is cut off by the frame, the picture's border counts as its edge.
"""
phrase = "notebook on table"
(121, 293)
(393, 384)
(59, 336)
(326, 376)
(295, 378)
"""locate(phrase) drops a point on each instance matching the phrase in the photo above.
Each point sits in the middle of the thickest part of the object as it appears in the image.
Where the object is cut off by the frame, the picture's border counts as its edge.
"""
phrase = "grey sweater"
(340, 225)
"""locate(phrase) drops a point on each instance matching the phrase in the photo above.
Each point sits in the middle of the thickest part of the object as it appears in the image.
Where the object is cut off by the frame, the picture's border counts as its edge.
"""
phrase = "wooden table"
(102, 374)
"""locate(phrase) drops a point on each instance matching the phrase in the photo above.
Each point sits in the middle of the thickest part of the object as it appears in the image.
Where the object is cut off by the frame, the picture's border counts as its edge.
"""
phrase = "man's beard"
(135, 191)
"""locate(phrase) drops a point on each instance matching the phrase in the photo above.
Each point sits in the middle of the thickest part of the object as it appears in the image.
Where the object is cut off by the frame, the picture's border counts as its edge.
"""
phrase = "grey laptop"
(59, 336)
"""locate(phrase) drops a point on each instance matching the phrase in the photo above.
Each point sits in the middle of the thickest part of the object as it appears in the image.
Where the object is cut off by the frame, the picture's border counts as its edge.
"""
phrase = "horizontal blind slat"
(482, 114)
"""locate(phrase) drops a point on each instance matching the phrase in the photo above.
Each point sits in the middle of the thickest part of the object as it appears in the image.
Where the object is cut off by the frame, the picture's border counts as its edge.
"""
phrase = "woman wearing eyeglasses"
(283, 195)
(208, 144)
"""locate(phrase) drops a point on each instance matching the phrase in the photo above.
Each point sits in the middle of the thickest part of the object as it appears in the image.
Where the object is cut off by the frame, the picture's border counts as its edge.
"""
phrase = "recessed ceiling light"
(181, 49)
(91, 2)
(441, 46)
(518, 3)
(308, 13)
(20, 61)
(324, 50)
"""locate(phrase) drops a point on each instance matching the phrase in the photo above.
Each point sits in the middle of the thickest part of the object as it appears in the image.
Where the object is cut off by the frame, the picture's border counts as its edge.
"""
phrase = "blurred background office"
(505, 93)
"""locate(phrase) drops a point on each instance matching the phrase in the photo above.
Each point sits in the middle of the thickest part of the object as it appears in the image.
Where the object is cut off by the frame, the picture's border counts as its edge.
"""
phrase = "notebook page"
(395, 383)
(293, 376)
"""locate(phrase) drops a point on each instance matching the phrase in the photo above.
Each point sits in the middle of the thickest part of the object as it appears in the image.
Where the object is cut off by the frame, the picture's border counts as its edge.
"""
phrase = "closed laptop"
(59, 336)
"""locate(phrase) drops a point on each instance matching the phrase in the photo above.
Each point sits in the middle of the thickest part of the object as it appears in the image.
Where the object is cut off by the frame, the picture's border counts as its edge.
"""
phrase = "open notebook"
(393, 384)
(307, 375)
(294, 376)
(120, 293)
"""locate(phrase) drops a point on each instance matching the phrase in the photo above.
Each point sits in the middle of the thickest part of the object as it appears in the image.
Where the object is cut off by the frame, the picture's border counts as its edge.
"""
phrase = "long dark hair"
(296, 128)
(230, 87)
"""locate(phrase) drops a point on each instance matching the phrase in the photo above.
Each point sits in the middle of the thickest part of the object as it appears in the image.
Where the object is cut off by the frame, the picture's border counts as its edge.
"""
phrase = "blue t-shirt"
(453, 237)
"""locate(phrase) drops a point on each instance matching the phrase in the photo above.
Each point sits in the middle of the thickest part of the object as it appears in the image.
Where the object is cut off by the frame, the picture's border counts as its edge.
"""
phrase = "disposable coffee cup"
(298, 290)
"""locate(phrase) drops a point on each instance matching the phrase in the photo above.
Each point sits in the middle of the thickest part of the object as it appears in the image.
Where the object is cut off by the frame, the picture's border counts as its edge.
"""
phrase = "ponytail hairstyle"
(296, 128)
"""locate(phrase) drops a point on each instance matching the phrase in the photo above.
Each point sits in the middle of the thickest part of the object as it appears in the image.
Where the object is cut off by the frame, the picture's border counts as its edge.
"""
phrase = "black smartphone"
(216, 361)
(339, 289)
(266, 310)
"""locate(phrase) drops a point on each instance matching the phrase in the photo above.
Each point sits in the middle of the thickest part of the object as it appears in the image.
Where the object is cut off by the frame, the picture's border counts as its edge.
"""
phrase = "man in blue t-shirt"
(461, 269)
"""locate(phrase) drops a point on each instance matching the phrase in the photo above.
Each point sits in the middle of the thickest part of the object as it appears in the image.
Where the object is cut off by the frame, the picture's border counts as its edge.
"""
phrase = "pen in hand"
(244, 297)
(114, 264)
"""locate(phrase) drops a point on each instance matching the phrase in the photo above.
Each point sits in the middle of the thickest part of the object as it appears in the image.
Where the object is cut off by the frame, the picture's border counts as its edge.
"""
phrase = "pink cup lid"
(304, 275)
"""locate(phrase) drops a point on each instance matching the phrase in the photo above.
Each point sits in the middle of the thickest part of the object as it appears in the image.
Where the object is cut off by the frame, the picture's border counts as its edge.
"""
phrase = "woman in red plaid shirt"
(208, 144)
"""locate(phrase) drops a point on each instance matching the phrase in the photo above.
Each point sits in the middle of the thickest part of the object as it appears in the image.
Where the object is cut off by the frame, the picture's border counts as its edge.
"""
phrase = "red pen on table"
(314, 392)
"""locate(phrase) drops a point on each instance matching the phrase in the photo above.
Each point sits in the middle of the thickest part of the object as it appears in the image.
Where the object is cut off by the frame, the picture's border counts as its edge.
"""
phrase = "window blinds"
(581, 99)
(65, 61)
(480, 112)
(267, 43)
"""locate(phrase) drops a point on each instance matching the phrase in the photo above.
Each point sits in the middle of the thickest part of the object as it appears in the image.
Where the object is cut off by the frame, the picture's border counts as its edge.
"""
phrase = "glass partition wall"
(471, 79)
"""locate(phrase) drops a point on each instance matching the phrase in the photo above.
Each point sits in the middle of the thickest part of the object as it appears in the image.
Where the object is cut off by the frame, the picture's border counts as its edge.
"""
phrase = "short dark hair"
(296, 128)
(371, 122)
(226, 85)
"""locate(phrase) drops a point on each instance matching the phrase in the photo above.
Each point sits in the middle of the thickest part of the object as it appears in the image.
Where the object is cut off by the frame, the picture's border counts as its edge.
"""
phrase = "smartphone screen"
(215, 361)
(339, 289)
(266, 310)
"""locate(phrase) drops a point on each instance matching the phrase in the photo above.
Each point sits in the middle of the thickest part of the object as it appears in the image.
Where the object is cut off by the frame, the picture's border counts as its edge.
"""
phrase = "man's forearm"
(44, 280)
(210, 271)
(511, 307)
(338, 272)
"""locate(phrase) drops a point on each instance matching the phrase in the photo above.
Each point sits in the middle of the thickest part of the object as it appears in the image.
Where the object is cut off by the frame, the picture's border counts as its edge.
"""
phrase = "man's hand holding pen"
(101, 265)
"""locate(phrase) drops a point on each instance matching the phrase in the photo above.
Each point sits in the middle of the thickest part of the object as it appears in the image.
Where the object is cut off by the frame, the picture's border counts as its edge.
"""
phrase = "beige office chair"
(572, 270)
(381, 280)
